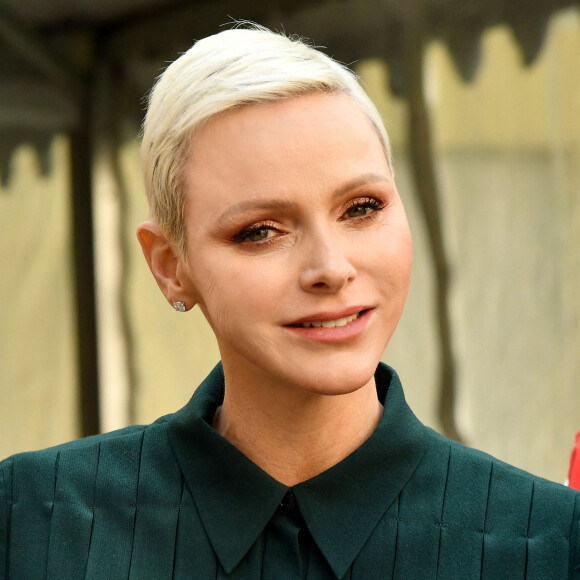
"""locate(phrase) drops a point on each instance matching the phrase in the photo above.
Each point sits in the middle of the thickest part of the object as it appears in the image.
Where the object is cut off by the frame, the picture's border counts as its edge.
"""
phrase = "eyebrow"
(364, 179)
(282, 204)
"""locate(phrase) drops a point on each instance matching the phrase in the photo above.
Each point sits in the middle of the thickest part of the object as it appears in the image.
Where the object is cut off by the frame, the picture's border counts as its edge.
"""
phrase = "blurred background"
(482, 103)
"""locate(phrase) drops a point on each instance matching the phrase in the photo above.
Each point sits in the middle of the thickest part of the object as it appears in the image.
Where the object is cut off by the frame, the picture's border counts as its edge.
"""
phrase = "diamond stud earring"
(179, 306)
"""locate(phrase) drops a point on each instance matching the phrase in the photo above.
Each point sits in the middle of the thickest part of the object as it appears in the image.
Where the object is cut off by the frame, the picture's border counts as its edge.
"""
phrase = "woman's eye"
(363, 208)
(255, 234)
(359, 210)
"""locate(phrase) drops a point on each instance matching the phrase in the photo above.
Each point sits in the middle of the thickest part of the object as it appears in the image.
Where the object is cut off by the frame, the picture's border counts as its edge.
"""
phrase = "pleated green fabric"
(174, 500)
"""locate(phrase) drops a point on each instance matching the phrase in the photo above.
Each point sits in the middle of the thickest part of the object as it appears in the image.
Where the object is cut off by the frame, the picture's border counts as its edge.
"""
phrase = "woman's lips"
(343, 321)
(329, 315)
(332, 327)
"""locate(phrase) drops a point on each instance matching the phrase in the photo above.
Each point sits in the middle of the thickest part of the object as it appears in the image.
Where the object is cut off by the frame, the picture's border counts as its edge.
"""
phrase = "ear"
(166, 264)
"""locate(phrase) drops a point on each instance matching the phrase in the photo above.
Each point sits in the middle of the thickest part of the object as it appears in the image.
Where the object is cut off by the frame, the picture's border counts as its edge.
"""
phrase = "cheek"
(209, 295)
(233, 295)
(253, 280)
(392, 256)
(404, 260)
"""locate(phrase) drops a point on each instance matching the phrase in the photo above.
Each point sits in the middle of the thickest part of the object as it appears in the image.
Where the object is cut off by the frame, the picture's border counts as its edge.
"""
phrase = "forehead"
(311, 141)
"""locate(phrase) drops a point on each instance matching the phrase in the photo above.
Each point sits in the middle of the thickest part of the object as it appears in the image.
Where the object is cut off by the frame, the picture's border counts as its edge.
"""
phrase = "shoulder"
(515, 514)
(476, 457)
(45, 461)
(480, 471)
(55, 502)
(38, 476)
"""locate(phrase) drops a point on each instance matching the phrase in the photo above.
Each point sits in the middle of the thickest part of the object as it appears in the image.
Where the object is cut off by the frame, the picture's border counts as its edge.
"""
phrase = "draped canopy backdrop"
(81, 68)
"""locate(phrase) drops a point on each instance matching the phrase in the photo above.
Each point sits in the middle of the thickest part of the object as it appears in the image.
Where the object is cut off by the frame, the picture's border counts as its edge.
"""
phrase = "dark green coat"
(175, 500)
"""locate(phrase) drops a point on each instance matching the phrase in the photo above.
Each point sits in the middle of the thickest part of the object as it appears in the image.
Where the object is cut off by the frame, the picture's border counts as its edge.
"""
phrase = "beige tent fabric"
(37, 377)
(508, 163)
(508, 160)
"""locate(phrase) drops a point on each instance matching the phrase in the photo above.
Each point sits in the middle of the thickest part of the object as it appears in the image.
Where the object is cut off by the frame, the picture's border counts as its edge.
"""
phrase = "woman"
(274, 209)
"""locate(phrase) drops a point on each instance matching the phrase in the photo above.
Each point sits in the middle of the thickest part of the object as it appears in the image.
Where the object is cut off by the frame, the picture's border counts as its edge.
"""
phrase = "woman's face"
(299, 252)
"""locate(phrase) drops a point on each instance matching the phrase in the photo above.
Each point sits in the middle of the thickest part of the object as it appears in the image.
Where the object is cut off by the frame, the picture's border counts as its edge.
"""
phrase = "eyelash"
(242, 237)
(367, 203)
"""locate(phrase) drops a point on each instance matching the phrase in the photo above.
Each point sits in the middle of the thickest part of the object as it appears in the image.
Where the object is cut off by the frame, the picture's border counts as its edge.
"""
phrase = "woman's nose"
(327, 266)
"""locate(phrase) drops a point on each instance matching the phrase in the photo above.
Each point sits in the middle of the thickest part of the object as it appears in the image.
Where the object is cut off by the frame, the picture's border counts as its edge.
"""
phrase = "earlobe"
(164, 262)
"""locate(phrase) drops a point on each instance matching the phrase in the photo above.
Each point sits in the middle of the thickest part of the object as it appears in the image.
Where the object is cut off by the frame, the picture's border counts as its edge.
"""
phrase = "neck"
(294, 435)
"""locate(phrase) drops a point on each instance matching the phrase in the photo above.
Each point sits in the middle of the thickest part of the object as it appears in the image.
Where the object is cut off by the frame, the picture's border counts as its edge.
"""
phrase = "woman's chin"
(338, 379)
(316, 372)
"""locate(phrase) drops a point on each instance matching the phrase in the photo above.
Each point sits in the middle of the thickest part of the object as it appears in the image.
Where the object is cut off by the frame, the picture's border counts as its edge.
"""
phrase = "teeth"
(331, 323)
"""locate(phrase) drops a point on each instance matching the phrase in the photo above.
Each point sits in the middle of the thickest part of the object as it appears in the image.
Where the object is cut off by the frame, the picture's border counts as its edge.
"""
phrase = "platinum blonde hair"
(234, 68)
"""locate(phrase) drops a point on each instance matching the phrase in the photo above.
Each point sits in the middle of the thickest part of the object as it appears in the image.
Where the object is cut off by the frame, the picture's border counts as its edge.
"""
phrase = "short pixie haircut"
(234, 68)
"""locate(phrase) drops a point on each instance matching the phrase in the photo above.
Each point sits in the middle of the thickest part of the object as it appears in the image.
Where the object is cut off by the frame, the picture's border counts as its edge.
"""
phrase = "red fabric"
(574, 474)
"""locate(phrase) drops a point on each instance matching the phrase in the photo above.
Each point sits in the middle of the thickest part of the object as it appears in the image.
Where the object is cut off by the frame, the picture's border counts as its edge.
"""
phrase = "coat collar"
(341, 506)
